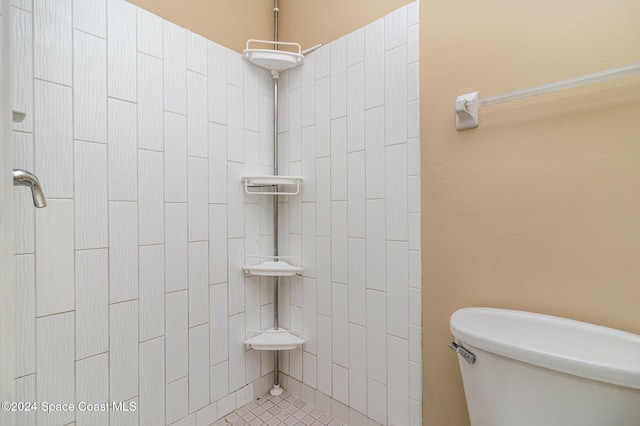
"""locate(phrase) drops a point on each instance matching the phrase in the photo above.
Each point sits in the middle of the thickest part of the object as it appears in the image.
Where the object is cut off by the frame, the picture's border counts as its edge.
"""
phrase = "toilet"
(526, 369)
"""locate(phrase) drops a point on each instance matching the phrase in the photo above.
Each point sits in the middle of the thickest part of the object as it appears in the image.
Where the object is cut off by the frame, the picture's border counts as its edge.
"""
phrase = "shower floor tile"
(279, 410)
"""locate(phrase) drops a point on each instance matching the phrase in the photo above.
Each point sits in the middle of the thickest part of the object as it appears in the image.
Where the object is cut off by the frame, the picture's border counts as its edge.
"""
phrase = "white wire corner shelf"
(272, 59)
(255, 184)
(274, 266)
(273, 340)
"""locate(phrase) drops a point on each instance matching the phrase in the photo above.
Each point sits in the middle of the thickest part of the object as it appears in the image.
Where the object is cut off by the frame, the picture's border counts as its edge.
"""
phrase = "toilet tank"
(539, 370)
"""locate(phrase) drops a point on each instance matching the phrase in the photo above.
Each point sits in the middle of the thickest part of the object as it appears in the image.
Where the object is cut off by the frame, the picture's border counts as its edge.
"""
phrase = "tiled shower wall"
(129, 284)
(349, 125)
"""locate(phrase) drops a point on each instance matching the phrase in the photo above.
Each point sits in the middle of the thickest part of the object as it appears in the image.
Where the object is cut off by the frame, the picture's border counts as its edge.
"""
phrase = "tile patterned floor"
(281, 410)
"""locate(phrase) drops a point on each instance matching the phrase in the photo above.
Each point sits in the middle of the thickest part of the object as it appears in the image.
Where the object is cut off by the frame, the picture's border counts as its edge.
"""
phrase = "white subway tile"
(227, 405)
(54, 258)
(150, 197)
(22, 66)
(356, 195)
(198, 199)
(217, 87)
(89, 87)
(308, 239)
(413, 44)
(23, 211)
(199, 366)
(198, 283)
(266, 132)
(53, 142)
(152, 409)
(308, 163)
(395, 28)
(175, 246)
(175, 68)
(415, 269)
(396, 192)
(251, 91)
(283, 103)
(339, 159)
(252, 155)
(308, 91)
(414, 231)
(123, 251)
(266, 224)
(323, 196)
(340, 324)
(323, 117)
(324, 358)
(92, 387)
(252, 368)
(197, 128)
(236, 275)
(413, 13)
(252, 230)
(413, 155)
(374, 57)
(92, 302)
(25, 314)
(207, 415)
(292, 217)
(309, 314)
(91, 221)
(338, 77)
(23, 4)
(121, 32)
(415, 413)
(175, 157)
(398, 385)
(294, 76)
(355, 107)
(218, 330)
(235, 197)
(375, 245)
(219, 381)
(122, 151)
(177, 335)
(123, 350)
(149, 35)
(398, 289)
(340, 388)
(177, 400)
(309, 369)
(217, 163)
(217, 243)
(322, 58)
(415, 381)
(237, 365)
(413, 81)
(395, 123)
(266, 83)
(235, 68)
(413, 191)
(196, 53)
(150, 103)
(52, 37)
(358, 368)
(357, 281)
(295, 126)
(415, 311)
(375, 152)
(295, 364)
(339, 264)
(377, 336)
(151, 292)
(355, 47)
(415, 343)
(295, 291)
(235, 126)
(55, 366)
(283, 154)
(377, 401)
(323, 276)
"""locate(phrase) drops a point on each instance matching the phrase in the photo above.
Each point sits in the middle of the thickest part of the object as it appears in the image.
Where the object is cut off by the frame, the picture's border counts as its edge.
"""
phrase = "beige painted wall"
(310, 22)
(229, 22)
(538, 208)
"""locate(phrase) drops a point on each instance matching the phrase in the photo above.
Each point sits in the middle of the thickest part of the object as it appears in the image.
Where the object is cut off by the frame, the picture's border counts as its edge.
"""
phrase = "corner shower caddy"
(274, 339)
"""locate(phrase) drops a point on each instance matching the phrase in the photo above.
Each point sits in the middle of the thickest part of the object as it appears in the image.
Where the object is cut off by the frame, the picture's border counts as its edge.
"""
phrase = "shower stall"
(213, 227)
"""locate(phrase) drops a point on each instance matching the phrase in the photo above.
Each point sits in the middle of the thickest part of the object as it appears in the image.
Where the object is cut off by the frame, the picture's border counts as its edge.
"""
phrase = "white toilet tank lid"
(573, 347)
